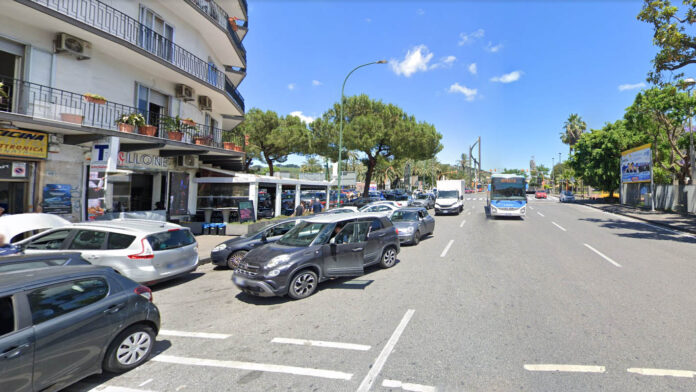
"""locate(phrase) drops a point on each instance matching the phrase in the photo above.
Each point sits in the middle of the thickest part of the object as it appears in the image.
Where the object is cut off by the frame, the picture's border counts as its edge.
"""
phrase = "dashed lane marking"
(564, 368)
(605, 257)
(142, 384)
(110, 388)
(204, 335)
(540, 214)
(371, 376)
(662, 372)
(407, 386)
(462, 224)
(444, 251)
(262, 367)
(321, 343)
(559, 226)
(531, 208)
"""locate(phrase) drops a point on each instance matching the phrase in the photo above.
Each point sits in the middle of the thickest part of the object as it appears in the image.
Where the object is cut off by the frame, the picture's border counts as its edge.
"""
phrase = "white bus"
(507, 195)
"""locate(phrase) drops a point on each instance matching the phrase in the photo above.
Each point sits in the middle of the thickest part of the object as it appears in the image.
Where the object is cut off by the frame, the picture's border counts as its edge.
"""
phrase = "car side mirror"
(264, 236)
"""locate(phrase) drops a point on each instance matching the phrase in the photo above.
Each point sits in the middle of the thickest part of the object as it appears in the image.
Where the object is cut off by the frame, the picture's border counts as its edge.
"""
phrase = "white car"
(381, 207)
(566, 197)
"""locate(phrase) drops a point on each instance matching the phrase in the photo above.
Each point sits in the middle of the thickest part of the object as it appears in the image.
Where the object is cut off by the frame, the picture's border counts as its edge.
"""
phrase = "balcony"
(127, 31)
(73, 110)
(222, 19)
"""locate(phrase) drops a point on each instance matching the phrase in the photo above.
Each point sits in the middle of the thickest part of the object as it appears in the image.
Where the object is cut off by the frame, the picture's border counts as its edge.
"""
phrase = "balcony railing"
(43, 102)
(233, 93)
(114, 22)
(216, 12)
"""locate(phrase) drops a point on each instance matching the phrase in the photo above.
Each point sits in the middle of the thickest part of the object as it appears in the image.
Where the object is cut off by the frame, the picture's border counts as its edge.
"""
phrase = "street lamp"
(690, 82)
(340, 129)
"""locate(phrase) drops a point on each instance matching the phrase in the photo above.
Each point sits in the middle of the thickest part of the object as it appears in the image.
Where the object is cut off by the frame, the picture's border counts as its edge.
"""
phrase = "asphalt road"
(567, 299)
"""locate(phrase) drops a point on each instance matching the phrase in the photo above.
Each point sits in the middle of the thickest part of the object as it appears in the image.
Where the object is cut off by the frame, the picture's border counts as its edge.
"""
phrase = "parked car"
(317, 249)
(145, 251)
(540, 194)
(60, 325)
(385, 208)
(412, 223)
(376, 194)
(566, 197)
(361, 201)
(232, 251)
(401, 199)
(341, 210)
(425, 200)
(22, 262)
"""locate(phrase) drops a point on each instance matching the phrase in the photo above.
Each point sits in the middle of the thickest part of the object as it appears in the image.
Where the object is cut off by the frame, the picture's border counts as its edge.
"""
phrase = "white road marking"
(444, 252)
(371, 376)
(142, 384)
(407, 386)
(469, 213)
(262, 367)
(633, 220)
(468, 198)
(320, 343)
(462, 224)
(564, 368)
(205, 335)
(531, 208)
(603, 255)
(540, 214)
(663, 372)
(110, 388)
(559, 226)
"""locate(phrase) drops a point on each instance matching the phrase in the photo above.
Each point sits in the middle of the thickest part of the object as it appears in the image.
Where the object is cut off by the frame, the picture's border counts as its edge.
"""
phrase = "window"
(119, 241)
(50, 302)
(24, 265)
(280, 229)
(352, 233)
(304, 233)
(88, 240)
(375, 225)
(52, 240)
(7, 319)
(170, 239)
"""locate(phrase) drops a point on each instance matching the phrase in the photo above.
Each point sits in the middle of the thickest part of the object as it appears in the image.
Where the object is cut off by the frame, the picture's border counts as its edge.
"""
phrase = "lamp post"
(690, 82)
(340, 128)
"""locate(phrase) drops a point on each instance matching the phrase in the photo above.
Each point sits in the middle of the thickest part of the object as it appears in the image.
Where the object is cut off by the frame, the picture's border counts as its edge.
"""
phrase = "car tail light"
(144, 292)
(396, 230)
(145, 253)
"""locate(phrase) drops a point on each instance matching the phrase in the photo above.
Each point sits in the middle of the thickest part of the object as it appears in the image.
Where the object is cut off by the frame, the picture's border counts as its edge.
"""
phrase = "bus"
(507, 195)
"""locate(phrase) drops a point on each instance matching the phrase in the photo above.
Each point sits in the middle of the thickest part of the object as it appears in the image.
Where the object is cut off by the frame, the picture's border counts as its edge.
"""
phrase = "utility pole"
(478, 173)
(477, 163)
(553, 174)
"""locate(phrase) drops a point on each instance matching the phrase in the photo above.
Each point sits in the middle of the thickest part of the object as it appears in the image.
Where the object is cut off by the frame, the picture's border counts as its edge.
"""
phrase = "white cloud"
(634, 86)
(306, 119)
(494, 49)
(508, 77)
(470, 93)
(471, 37)
(316, 83)
(420, 11)
(445, 62)
(291, 86)
(473, 68)
(416, 59)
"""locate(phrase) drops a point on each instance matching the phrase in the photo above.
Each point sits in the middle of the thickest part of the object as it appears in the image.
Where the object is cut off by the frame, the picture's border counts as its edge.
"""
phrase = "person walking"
(299, 210)
(316, 206)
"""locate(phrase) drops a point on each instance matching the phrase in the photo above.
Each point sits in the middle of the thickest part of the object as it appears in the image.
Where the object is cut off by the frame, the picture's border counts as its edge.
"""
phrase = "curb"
(644, 220)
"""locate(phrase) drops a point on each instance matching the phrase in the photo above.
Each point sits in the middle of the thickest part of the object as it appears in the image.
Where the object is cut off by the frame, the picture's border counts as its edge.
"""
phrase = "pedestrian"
(299, 210)
(316, 206)
(7, 249)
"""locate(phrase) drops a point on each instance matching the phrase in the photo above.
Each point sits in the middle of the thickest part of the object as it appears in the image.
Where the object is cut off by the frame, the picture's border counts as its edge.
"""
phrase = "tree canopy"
(573, 128)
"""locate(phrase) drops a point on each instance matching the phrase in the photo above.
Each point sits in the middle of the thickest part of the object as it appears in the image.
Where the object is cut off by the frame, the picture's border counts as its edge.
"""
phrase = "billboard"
(635, 164)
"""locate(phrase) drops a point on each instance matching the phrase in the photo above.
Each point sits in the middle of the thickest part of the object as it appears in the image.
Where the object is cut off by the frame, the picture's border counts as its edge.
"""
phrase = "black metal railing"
(43, 102)
(114, 22)
(222, 18)
(233, 93)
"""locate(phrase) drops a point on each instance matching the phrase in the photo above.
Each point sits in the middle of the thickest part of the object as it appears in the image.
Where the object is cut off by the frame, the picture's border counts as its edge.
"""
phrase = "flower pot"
(175, 135)
(229, 146)
(202, 141)
(238, 148)
(95, 100)
(123, 127)
(189, 123)
(147, 130)
(71, 118)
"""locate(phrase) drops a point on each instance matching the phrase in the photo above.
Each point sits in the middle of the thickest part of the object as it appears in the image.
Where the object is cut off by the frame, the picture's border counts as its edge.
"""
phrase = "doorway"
(12, 196)
(141, 192)
(9, 66)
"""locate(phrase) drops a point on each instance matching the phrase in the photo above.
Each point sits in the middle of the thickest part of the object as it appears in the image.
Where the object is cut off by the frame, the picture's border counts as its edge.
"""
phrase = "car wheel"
(416, 238)
(303, 284)
(388, 258)
(130, 349)
(234, 259)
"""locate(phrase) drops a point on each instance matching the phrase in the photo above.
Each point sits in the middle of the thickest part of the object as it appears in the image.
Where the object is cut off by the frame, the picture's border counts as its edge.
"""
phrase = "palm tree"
(311, 165)
(573, 129)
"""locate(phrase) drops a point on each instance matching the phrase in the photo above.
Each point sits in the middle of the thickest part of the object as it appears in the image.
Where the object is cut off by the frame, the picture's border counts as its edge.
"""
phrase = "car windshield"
(421, 197)
(508, 189)
(303, 234)
(448, 194)
(400, 216)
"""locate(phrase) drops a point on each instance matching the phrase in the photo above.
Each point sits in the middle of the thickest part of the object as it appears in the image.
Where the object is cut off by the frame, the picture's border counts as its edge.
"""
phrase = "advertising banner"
(20, 143)
(635, 164)
(105, 154)
(96, 194)
(57, 199)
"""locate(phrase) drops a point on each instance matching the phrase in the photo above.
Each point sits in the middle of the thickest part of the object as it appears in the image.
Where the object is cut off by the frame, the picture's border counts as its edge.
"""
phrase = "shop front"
(21, 153)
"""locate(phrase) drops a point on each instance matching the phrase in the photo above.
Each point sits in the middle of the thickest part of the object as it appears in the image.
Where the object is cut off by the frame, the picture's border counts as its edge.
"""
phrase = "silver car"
(412, 223)
(144, 251)
(566, 197)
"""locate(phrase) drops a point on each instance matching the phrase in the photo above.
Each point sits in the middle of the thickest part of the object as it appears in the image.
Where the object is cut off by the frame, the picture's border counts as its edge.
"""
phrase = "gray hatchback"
(59, 325)
(412, 223)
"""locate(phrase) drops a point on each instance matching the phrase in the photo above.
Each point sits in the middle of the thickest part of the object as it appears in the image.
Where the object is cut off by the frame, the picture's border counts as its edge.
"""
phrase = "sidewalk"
(206, 243)
(670, 220)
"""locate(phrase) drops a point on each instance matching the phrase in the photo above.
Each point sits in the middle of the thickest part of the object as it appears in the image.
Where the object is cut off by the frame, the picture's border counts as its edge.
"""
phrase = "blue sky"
(535, 63)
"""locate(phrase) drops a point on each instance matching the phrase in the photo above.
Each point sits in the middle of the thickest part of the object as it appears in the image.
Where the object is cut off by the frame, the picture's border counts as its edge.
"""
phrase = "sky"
(508, 71)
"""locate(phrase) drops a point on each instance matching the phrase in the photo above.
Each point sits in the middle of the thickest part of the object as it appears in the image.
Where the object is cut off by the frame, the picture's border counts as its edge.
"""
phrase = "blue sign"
(635, 164)
(57, 199)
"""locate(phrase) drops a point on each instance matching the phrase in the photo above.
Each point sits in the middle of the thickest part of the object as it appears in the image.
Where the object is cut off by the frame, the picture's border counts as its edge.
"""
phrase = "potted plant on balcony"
(172, 125)
(128, 122)
(203, 140)
(95, 98)
(188, 121)
(229, 146)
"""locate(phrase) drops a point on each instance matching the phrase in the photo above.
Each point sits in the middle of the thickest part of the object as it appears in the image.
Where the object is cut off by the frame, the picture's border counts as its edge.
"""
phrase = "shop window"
(221, 195)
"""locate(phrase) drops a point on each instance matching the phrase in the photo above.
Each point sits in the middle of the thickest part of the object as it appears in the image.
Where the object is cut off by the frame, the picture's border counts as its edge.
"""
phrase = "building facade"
(78, 74)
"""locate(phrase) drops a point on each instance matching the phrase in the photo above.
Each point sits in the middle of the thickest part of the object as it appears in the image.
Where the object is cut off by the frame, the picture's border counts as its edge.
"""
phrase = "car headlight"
(407, 230)
(494, 208)
(274, 273)
(276, 261)
(220, 247)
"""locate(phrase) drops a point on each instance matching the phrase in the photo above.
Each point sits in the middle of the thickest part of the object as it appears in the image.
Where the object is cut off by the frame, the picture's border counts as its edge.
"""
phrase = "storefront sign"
(246, 211)
(135, 160)
(19, 169)
(635, 164)
(56, 199)
(96, 194)
(104, 154)
(20, 143)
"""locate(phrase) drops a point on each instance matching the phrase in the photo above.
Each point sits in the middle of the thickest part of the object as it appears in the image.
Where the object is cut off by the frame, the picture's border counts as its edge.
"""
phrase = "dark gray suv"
(59, 325)
(315, 250)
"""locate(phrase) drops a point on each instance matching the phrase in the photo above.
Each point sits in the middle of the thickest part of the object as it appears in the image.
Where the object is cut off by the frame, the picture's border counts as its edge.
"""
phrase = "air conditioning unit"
(205, 103)
(184, 92)
(187, 161)
(73, 45)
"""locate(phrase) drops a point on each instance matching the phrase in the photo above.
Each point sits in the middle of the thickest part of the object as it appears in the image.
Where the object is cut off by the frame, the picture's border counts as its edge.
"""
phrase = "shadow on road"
(176, 281)
(640, 231)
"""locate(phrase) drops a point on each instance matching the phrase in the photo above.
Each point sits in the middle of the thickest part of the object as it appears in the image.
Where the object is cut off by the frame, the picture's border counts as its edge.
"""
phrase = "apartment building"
(117, 104)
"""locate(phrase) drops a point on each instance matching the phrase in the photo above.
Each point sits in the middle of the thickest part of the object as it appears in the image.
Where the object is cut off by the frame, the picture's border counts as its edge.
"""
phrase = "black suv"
(316, 249)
